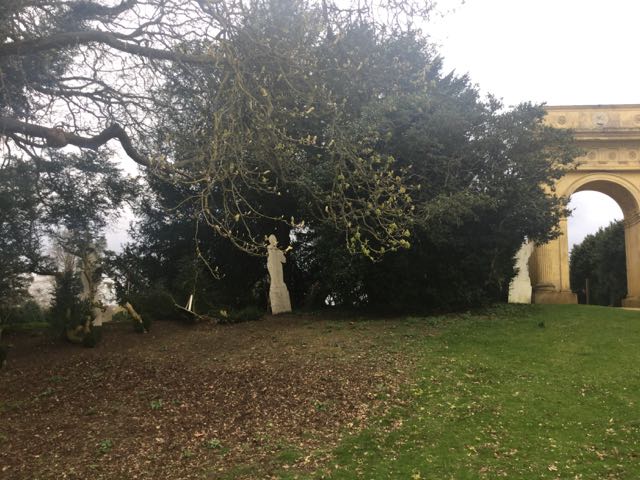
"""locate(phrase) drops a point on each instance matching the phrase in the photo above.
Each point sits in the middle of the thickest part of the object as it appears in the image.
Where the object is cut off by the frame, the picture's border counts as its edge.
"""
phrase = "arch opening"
(597, 257)
(590, 210)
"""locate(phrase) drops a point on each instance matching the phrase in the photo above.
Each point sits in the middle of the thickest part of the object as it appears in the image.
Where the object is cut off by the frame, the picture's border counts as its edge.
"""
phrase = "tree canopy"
(105, 70)
(332, 125)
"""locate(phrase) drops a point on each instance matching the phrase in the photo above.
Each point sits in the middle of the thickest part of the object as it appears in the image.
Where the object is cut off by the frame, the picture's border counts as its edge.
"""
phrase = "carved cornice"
(610, 134)
(597, 123)
(610, 157)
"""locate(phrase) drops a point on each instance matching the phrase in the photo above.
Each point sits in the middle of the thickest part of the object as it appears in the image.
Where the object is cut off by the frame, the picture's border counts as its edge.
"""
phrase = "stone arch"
(610, 136)
(623, 191)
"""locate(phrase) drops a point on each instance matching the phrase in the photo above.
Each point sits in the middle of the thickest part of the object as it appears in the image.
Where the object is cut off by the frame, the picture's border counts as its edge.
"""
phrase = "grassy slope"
(503, 396)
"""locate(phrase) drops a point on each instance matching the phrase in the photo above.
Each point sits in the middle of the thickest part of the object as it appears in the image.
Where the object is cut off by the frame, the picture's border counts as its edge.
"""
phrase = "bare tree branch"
(71, 39)
(96, 10)
(58, 138)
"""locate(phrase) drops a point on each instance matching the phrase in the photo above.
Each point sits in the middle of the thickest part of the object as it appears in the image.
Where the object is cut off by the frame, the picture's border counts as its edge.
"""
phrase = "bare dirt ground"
(202, 401)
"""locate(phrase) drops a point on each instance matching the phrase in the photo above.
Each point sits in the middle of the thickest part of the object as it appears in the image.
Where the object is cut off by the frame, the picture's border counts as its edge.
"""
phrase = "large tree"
(331, 124)
(100, 71)
(482, 172)
(90, 75)
(460, 178)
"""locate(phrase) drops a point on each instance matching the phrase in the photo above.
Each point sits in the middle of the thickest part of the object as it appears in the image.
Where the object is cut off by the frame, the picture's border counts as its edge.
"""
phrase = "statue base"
(554, 297)
(279, 298)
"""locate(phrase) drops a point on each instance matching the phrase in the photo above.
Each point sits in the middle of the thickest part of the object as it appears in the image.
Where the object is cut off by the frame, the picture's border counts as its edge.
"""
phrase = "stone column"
(551, 282)
(632, 250)
(563, 243)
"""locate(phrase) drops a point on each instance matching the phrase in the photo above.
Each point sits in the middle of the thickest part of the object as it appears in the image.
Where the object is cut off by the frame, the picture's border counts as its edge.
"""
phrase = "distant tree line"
(598, 267)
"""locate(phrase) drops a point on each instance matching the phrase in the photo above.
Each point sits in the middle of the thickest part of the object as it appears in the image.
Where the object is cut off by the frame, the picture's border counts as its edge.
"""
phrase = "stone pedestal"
(554, 296)
(279, 298)
(631, 302)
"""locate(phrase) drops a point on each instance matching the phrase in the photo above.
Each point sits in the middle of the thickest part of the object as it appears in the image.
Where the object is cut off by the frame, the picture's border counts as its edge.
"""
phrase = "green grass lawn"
(528, 392)
(516, 392)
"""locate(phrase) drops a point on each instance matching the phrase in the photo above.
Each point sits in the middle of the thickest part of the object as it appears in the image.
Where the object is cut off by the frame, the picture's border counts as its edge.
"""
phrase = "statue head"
(273, 241)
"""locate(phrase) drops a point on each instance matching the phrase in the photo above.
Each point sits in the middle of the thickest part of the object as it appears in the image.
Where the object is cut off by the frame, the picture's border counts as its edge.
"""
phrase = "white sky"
(561, 52)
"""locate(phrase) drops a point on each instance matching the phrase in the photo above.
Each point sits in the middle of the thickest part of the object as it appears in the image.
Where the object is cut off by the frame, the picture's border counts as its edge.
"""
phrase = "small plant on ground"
(187, 454)
(105, 446)
(47, 392)
(156, 404)
(213, 443)
(320, 406)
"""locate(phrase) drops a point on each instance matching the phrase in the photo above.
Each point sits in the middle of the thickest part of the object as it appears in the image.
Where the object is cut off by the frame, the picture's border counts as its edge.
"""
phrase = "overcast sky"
(561, 52)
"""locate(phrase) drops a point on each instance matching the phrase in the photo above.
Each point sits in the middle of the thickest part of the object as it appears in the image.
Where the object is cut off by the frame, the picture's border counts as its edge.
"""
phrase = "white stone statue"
(520, 287)
(91, 282)
(278, 292)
